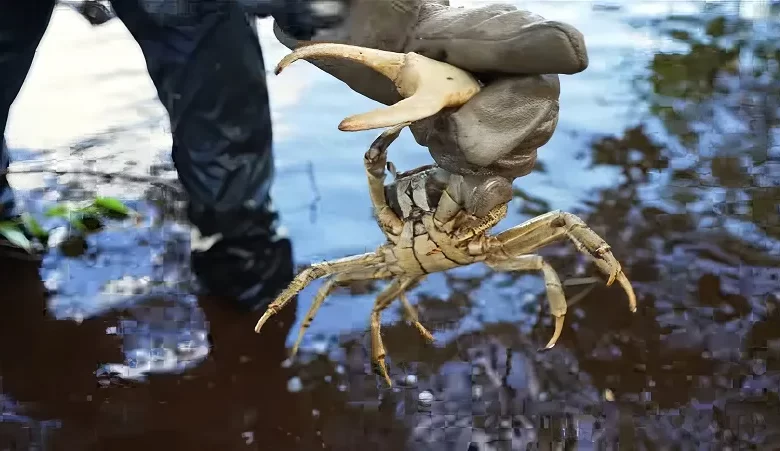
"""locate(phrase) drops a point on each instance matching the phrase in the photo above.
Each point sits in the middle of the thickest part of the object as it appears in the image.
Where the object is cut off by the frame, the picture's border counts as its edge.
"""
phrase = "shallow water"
(672, 159)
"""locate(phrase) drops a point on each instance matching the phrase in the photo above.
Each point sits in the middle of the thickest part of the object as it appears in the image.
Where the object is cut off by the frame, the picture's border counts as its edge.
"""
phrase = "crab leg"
(325, 290)
(411, 313)
(383, 300)
(317, 271)
(428, 86)
(554, 226)
(375, 161)
(555, 296)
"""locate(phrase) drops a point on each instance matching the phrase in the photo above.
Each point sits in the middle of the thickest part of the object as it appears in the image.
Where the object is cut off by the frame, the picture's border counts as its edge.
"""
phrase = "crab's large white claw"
(427, 85)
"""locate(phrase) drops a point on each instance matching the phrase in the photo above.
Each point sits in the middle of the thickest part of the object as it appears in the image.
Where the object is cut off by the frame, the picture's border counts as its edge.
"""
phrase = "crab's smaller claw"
(428, 86)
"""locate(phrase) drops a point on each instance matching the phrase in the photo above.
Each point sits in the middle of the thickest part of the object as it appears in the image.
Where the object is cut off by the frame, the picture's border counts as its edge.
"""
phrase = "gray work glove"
(516, 54)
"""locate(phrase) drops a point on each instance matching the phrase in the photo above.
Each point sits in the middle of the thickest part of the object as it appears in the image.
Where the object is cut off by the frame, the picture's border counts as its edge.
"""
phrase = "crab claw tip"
(347, 126)
(557, 333)
(261, 322)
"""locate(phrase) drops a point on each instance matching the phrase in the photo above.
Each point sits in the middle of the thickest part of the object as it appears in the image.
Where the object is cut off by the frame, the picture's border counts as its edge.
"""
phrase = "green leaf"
(10, 230)
(86, 220)
(58, 211)
(113, 208)
(34, 227)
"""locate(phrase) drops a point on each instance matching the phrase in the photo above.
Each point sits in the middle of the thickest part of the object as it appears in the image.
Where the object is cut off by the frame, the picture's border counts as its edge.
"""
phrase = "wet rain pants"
(208, 69)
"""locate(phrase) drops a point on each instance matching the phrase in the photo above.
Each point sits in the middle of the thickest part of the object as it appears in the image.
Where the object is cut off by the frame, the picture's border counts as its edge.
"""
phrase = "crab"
(426, 221)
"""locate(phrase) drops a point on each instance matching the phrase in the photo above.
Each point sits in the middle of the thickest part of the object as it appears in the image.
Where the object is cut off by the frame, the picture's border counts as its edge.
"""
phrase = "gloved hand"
(515, 54)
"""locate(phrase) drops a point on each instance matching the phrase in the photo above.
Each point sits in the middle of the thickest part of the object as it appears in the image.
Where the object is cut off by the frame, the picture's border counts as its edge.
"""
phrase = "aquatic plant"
(83, 218)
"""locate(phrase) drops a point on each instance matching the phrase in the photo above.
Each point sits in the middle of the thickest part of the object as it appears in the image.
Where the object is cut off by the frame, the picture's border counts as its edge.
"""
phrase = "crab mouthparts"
(427, 86)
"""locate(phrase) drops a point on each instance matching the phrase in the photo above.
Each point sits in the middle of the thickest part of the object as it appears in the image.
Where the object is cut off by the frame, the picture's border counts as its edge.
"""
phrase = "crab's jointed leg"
(554, 226)
(355, 263)
(552, 282)
(411, 313)
(375, 161)
(325, 290)
(383, 300)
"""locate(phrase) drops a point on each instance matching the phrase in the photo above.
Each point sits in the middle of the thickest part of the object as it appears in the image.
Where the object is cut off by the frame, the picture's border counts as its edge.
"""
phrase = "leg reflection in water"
(236, 399)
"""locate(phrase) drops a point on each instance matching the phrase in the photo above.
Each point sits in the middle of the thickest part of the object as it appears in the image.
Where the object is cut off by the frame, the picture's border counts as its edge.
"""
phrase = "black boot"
(249, 269)
(207, 65)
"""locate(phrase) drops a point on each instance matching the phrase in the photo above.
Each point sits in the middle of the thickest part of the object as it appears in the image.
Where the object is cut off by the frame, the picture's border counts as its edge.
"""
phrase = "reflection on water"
(165, 334)
(671, 153)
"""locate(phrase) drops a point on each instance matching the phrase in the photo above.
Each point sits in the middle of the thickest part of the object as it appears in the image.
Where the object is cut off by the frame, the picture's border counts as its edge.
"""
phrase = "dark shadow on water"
(238, 396)
(695, 221)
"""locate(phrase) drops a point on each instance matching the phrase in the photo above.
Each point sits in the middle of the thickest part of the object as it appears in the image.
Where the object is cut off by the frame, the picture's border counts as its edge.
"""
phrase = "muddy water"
(667, 146)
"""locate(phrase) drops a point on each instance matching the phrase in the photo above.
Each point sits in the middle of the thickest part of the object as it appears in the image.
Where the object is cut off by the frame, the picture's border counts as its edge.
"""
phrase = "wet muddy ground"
(668, 146)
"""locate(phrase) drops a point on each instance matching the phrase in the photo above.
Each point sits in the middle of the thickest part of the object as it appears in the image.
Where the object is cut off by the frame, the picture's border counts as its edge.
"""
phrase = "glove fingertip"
(576, 46)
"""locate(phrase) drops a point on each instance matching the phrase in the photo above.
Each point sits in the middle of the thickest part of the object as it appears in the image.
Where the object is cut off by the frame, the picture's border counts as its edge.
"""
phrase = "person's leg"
(208, 68)
(22, 25)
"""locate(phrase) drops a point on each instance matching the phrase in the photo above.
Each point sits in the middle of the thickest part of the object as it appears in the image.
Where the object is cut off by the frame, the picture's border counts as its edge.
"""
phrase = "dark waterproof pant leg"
(22, 24)
(207, 66)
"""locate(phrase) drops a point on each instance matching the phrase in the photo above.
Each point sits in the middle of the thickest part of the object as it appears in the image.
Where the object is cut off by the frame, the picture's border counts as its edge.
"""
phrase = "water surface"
(667, 146)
